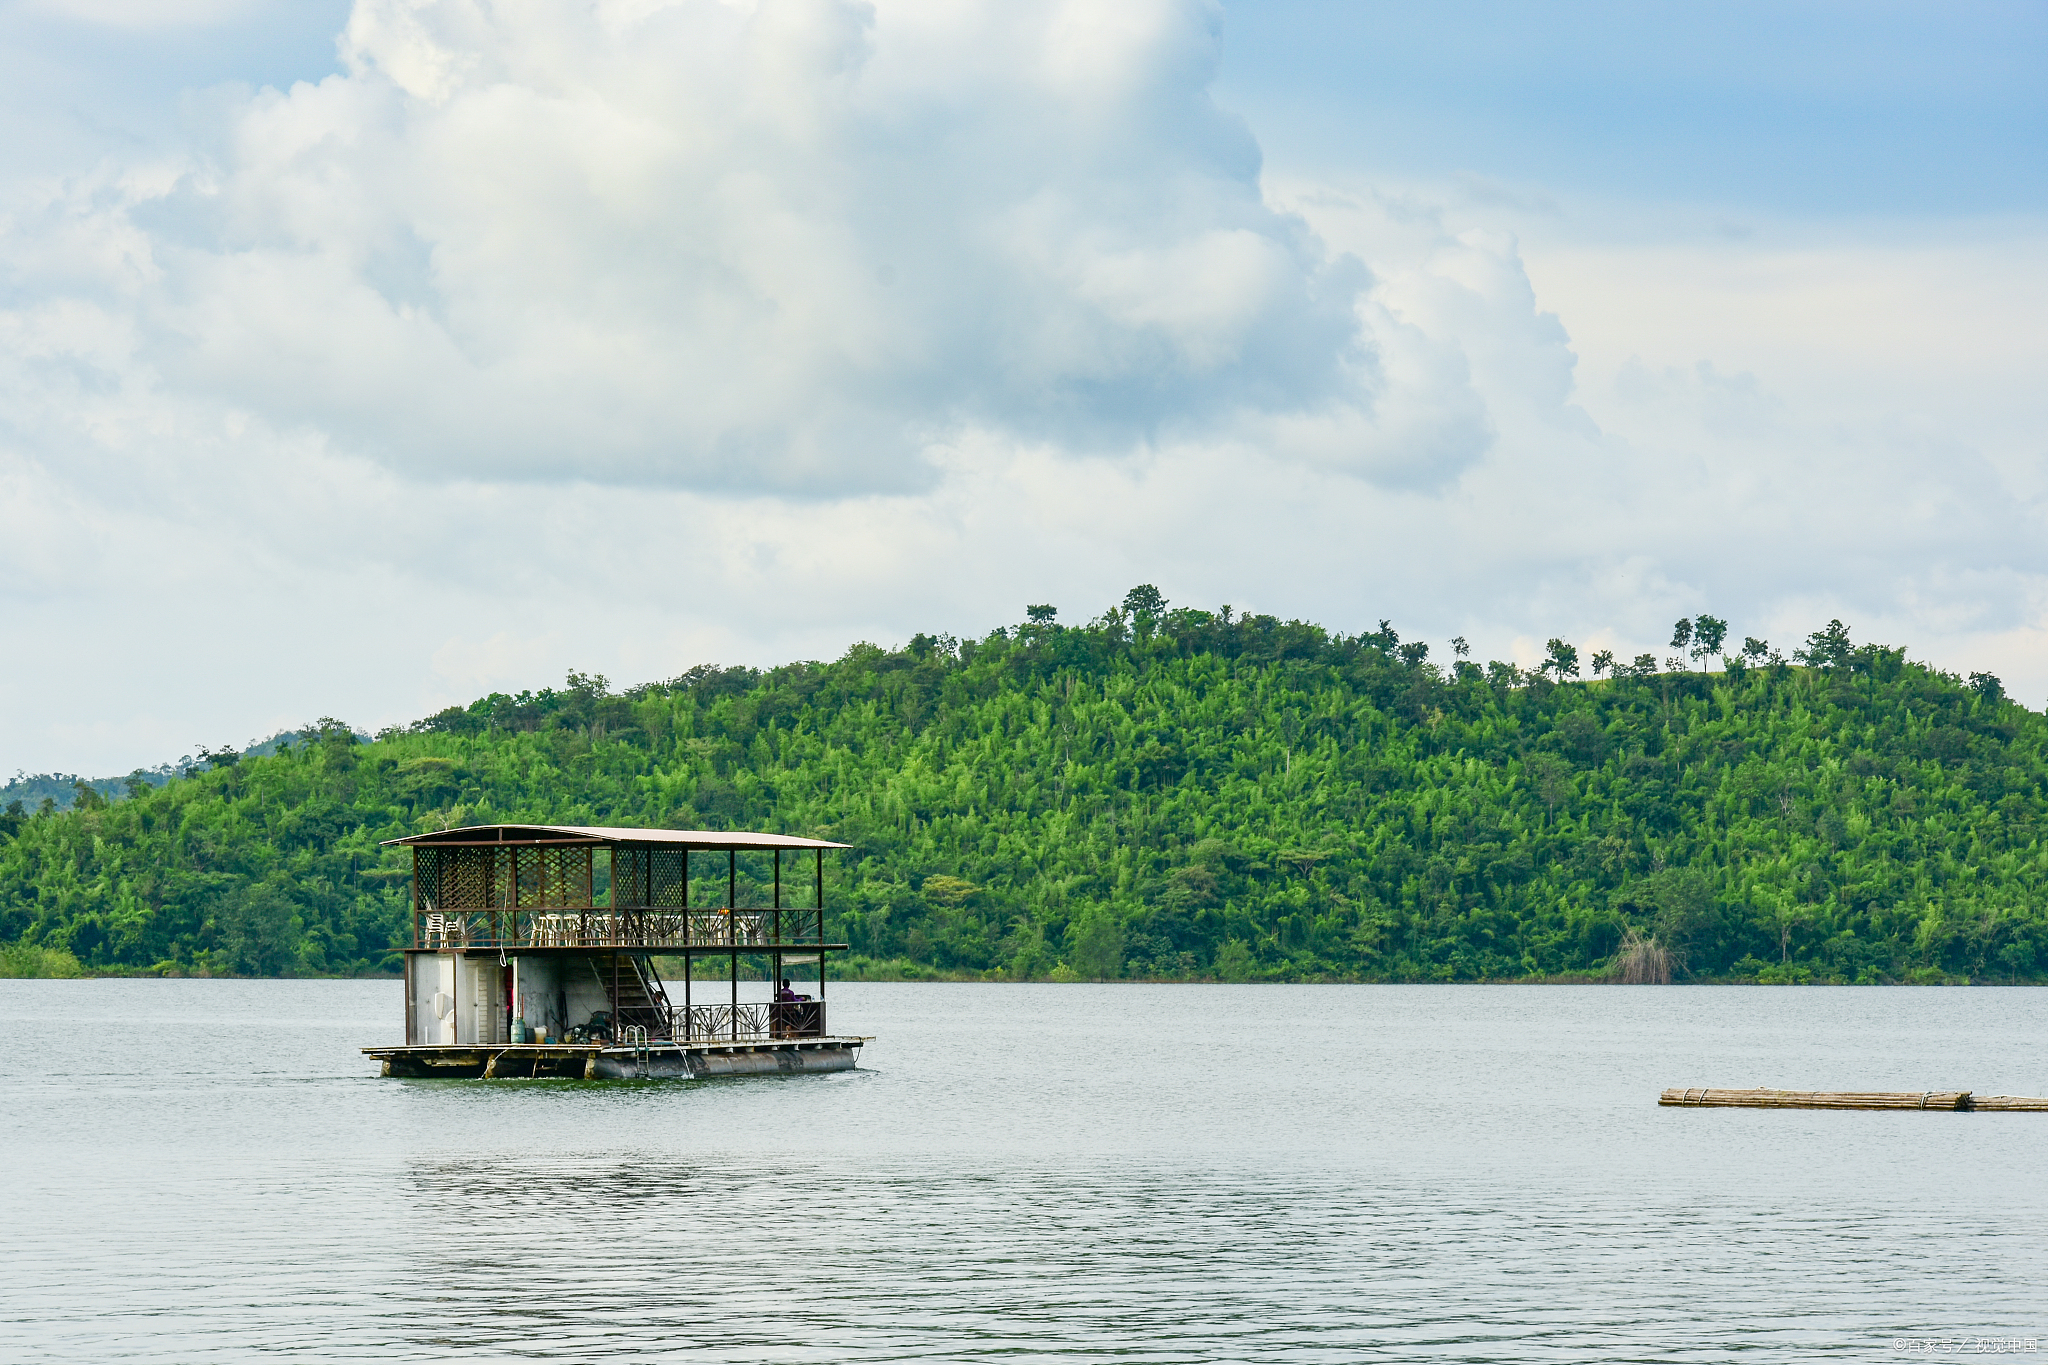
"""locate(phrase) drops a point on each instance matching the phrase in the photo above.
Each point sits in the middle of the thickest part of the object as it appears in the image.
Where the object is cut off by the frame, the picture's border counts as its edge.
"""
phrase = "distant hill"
(61, 789)
(1163, 794)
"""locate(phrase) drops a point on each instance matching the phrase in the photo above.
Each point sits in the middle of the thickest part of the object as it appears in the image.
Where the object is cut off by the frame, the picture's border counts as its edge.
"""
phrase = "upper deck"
(537, 887)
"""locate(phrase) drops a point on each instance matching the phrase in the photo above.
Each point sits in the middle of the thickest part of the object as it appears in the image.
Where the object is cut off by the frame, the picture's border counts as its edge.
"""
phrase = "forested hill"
(1166, 795)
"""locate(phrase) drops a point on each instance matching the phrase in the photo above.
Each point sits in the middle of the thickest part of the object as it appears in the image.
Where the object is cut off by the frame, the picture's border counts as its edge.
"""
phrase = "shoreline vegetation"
(16, 964)
(1157, 795)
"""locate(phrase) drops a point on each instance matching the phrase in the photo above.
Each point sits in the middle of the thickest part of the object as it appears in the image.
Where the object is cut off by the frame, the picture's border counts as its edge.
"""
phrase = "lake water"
(209, 1171)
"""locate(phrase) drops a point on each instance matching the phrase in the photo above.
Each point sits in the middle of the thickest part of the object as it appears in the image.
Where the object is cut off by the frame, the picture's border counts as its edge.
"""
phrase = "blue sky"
(1790, 108)
(1780, 108)
(1500, 321)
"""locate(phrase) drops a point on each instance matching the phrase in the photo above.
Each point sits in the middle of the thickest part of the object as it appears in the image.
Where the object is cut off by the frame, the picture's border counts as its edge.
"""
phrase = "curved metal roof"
(611, 834)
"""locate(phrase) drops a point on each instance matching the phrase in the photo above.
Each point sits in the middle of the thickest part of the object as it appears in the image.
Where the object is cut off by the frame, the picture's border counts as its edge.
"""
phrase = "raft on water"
(1700, 1097)
(534, 954)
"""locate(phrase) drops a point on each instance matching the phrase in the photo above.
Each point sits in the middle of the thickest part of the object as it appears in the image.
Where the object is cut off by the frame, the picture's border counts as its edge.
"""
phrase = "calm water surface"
(208, 1170)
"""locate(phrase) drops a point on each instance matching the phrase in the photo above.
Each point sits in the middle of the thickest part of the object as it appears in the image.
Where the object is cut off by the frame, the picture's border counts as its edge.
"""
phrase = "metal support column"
(732, 937)
(689, 961)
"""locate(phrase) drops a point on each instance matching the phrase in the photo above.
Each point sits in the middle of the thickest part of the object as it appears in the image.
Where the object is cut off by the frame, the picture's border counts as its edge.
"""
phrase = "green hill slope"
(1180, 795)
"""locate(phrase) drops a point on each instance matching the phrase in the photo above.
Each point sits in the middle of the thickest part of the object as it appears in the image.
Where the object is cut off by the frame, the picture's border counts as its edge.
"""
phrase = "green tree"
(1234, 961)
(1095, 945)
(1552, 779)
(1145, 601)
(1828, 649)
(1707, 634)
(1688, 921)
(259, 932)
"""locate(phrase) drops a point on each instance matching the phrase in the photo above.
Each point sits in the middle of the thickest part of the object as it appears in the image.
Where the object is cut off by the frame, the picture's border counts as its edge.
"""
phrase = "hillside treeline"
(1178, 795)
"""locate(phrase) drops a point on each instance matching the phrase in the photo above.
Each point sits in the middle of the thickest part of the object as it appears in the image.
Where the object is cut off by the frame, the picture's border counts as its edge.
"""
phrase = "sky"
(360, 359)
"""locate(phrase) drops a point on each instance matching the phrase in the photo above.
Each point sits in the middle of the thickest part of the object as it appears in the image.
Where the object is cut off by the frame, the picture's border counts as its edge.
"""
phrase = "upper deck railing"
(598, 927)
(538, 887)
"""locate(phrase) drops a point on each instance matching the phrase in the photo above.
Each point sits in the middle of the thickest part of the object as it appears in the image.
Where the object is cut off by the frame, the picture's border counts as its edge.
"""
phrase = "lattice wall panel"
(426, 879)
(552, 877)
(665, 887)
(629, 877)
(576, 875)
(469, 878)
(530, 876)
(647, 877)
(462, 878)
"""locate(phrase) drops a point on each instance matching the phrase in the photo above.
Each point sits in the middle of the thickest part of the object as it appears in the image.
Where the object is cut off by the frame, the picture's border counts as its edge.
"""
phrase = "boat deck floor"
(659, 1057)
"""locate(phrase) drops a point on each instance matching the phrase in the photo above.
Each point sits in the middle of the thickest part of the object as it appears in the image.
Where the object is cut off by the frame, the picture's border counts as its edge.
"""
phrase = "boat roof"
(610, 834)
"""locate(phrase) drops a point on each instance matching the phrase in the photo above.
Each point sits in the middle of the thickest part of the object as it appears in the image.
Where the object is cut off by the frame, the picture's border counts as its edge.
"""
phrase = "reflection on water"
(1029, 1173)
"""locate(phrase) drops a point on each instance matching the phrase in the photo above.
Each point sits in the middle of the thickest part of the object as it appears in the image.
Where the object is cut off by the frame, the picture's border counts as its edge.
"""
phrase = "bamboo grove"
(1164, 795)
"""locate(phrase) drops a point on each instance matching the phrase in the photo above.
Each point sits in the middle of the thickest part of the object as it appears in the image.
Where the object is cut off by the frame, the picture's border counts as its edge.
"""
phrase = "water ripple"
(950, 1208)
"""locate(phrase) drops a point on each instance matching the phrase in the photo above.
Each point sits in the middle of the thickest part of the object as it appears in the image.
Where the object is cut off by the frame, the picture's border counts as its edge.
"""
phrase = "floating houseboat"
(533, 954)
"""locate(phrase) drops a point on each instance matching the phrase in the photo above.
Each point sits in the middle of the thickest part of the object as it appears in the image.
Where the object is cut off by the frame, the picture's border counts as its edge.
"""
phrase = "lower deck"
(657, 1059)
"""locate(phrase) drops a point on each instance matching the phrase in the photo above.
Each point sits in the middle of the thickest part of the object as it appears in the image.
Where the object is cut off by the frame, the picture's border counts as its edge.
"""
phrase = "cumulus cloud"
(790, 244)
(626, 336)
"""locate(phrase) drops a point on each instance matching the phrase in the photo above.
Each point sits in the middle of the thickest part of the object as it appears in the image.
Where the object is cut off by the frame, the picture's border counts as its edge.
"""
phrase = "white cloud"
(629, 336)
(778, 245)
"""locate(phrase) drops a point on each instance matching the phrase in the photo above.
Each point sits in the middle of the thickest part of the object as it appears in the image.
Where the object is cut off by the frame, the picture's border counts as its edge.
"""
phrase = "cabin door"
(432, 978)
(442, 1003)
(480, 1002)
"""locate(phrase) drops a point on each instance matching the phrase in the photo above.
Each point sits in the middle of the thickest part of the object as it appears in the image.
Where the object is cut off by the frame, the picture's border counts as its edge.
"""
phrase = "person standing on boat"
(787, 996)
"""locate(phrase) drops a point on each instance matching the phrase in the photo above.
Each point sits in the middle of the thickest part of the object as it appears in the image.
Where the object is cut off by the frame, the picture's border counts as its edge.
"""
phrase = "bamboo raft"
(1700, 1097)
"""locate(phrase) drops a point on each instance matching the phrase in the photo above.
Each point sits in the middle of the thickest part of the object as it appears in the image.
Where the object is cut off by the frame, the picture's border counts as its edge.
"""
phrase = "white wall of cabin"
(430, 974)
(480, 1001)
(476, 991)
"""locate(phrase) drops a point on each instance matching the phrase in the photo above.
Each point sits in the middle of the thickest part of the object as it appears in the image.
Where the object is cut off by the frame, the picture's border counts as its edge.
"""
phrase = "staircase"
(636, 994)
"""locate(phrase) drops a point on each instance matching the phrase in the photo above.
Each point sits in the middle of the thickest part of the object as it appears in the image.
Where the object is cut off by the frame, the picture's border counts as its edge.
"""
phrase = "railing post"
(775, 937)
(732, 937)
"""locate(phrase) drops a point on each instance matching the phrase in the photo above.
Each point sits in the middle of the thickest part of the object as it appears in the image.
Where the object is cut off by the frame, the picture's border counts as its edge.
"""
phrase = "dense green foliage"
(61, 791)
(57, 791)
(1177, 795)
